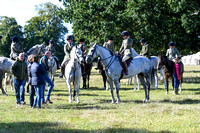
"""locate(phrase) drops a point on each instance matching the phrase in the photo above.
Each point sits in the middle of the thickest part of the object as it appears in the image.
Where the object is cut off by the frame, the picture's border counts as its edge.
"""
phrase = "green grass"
(95, 113)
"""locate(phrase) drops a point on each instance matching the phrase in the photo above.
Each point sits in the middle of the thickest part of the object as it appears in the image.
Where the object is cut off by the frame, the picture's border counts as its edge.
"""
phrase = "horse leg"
(156, 79)
(138, 81)
(88, 76)
(11, 84)
(5, 82)
(70, 90)
(117, 86)
(167, 84)
(104, 79)
(145, 86)
(111, 89)
(1, 78)
(74, 94)
(84, 82)
(77, 84)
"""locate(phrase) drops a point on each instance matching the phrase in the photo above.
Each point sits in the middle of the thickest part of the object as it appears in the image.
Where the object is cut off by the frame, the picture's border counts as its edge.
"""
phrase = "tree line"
(158, 21)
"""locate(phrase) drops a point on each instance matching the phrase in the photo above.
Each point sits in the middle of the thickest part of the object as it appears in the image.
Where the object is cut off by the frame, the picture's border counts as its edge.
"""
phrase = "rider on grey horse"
(109, 44)
(172, 52)
(145, 49)
(67, 49)
(52, 49)
(125, 49)
(15, 48)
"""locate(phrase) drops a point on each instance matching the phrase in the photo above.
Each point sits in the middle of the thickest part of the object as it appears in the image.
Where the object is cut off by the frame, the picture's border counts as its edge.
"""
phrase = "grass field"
(94, 113)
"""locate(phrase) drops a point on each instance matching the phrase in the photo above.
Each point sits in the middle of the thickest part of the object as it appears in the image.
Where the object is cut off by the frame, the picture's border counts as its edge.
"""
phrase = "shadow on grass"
(191, 80)
(191, 71)
(185, 101)
(82, 106)
(122, 101)
(53, 127)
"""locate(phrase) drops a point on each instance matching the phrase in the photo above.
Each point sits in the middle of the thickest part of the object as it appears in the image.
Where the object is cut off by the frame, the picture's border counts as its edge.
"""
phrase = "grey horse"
(140, 66)
(6, 63)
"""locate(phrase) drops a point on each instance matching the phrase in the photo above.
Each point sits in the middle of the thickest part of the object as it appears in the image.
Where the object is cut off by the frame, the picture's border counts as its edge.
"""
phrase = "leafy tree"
(46, 26)
(9, 28)
(159, 21)
(96, 20)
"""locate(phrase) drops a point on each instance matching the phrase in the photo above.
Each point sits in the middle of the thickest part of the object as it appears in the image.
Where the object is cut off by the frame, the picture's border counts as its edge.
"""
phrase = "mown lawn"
(94, 113)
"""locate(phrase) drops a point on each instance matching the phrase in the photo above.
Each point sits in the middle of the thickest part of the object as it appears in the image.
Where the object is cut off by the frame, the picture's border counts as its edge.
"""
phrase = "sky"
(24, 10)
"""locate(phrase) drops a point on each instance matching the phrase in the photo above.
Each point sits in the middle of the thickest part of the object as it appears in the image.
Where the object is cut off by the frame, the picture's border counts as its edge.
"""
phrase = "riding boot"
(125, 68)
(62, 71)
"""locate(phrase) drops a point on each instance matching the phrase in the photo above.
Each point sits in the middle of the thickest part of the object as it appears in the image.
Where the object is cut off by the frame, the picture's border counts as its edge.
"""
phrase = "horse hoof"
(78, 101)
(117, 101)
(145, 101)
(167, 92)
(112, 102)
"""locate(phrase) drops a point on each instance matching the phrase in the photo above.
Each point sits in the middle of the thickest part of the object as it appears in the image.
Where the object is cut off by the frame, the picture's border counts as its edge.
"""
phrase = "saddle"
(128, 62)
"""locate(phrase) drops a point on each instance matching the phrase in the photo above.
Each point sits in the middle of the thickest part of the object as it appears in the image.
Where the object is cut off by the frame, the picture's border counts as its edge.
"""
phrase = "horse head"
(162, 61)
(91, 54)
(77, 54)
(41, 49)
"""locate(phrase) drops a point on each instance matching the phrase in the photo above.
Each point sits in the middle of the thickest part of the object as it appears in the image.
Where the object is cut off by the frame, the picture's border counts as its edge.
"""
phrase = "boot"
(125, 68)
(176, 91)
(62, 71)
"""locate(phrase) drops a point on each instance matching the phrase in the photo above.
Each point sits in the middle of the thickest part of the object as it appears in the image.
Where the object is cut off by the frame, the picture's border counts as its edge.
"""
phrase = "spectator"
(37, 79)
(19, 70)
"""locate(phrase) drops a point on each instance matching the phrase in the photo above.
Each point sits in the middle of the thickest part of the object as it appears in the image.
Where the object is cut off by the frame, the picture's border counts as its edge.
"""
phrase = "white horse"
(6, 63)
(5, 67)
(140, 66)
(53, 68)
(73, 72)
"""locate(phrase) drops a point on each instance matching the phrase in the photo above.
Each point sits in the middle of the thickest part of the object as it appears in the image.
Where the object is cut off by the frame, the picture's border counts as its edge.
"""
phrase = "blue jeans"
(19, 89)
(38, 90)
(32, 94)
(51, 85)
(176, 81)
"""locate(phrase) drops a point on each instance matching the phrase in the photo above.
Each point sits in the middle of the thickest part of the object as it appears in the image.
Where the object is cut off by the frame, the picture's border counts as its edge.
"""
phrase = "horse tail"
(152, 77)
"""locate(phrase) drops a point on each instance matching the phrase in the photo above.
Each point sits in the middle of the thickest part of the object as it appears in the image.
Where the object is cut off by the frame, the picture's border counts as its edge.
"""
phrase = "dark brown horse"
(169, 69)
(86, 71)
(100, 67)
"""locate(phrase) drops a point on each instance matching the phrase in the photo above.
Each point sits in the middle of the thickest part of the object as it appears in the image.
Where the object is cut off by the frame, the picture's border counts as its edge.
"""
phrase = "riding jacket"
(145, 50)
(52, 49)
(67, 49)
(171, 53)
(109, 46)
(15, 50)
(126, 47)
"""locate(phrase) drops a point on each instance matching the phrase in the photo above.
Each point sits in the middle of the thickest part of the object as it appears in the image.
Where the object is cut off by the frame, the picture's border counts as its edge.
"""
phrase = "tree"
(9, 28)
(96, 20)
(46, 26)
(159, 21)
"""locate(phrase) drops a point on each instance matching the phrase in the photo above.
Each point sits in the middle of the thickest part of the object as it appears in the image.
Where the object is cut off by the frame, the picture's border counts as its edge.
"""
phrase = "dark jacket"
(44, 62)
(19, 69)
(37, 74)
(29, 73)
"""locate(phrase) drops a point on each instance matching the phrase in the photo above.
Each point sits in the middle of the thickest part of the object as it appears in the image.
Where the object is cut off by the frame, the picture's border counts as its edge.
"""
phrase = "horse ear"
(43, 44)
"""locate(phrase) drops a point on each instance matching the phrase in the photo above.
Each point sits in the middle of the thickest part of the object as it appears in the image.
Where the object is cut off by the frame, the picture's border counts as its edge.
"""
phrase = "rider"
(109, 44)
(172, 52)
(44, 62)
(52, 49)
(84, 52)
(15, 48)
(67, 49)
(145, 48)
(125, 49)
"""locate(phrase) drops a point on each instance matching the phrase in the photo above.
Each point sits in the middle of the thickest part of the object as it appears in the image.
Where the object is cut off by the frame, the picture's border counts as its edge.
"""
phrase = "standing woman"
(38, 80)
(32, 93)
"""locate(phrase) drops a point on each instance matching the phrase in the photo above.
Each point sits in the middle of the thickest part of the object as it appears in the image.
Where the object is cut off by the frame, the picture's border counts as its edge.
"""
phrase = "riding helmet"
(82, 40)
(171, 44)
(69, 37)
(142, 40)
(125, 33)
(51, 42)
(14, 38)
(110, 38)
